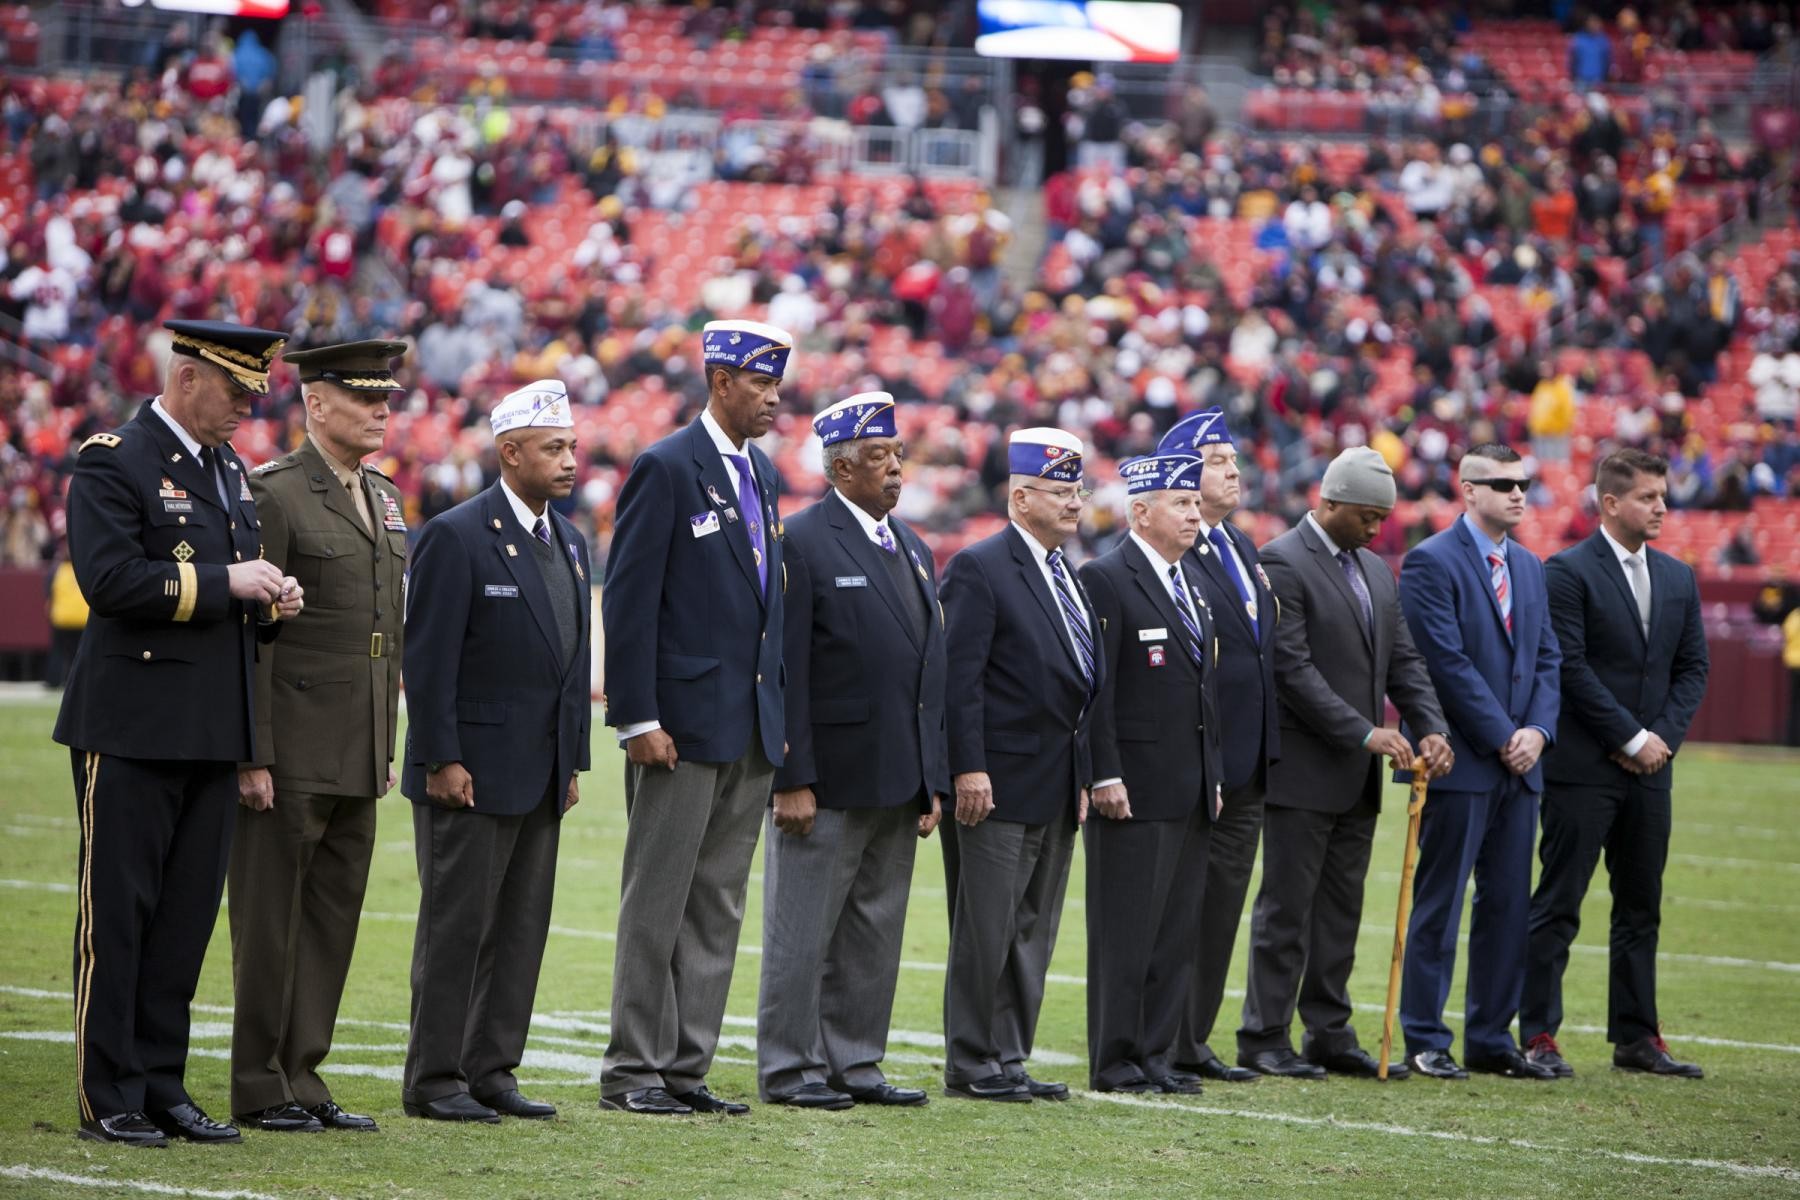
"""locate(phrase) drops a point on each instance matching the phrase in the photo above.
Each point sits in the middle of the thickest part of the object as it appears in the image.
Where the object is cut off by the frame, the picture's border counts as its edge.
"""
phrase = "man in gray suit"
(1340, 648)
(865, 777)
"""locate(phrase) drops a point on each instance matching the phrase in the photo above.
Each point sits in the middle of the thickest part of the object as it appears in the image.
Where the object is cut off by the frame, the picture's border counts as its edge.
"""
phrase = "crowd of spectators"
(1385, 296)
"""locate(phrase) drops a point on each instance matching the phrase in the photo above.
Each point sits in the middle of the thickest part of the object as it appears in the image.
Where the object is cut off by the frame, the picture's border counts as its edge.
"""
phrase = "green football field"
(1730, 995)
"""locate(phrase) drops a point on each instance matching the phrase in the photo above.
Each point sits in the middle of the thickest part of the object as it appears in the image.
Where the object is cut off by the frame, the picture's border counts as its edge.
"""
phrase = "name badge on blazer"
(704, 523)
(505, 591)
(1153, 635)
(852, 581)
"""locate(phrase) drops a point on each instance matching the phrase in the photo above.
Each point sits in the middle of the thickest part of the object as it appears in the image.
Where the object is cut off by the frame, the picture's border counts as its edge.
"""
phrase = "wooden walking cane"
(1414, 808)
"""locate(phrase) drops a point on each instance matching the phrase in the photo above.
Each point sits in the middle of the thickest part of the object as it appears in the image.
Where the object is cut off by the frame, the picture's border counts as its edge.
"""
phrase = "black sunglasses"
(1504, 485)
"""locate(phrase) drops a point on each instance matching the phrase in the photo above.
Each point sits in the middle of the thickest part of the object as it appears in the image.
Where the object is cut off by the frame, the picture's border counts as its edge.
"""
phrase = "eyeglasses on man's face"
(1062, 495)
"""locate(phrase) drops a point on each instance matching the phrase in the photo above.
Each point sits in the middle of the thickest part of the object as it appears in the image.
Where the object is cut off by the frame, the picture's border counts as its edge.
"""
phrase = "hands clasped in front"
(262, 584)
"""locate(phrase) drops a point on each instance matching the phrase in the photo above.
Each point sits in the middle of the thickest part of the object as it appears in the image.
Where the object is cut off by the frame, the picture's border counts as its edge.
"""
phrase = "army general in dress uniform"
(164, 537)
(326, 699)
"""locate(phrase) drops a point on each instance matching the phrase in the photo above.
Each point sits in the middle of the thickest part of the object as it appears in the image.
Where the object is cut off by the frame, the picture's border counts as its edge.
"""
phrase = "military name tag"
(505, 591)
(178, 506)
(1153, 635)
(852, 581)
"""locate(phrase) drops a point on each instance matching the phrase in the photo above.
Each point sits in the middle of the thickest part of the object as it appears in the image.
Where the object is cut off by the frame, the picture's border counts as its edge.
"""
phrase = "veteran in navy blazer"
(499, 680)
(1156, 757)
(693, 615)
(866, 774)
(1634, 672)
(1474, 600)
(1245, 612)
(1024, 670)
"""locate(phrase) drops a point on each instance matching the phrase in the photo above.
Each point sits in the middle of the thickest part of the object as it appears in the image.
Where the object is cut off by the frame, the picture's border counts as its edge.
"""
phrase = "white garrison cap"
(540, 405)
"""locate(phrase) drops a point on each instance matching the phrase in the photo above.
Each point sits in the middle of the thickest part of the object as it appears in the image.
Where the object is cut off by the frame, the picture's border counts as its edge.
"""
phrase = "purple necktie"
(1217, 538)
(751, 507)
(1357, 584)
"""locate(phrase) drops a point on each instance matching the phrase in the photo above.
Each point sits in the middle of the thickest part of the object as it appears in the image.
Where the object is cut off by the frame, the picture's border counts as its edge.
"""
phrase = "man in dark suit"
(1236, 589)
(1342, 647)
(498, 685)
(694, 678)
(158, 713)
(306, 815)
(1024, 669)
(1633, 673)
(1156, 755)
(865, 777)
(1474, 601)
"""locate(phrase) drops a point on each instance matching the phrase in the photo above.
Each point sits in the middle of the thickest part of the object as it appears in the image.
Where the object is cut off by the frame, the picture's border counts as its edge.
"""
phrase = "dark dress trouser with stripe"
(155, 842)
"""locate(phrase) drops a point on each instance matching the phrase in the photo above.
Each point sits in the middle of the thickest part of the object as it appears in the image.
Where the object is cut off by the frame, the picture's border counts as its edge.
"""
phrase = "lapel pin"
(511, 551)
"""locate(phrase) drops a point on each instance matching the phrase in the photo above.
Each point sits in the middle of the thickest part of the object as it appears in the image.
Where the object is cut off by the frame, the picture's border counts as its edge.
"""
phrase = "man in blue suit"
(498, 690)
(865, 778)
(1245, 614)
(1475, 602)
(1633, 674)
(1025, 667)
(693, 615)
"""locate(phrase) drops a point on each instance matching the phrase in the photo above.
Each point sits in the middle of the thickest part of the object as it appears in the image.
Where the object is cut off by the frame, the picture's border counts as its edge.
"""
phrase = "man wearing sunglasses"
(1475, 602)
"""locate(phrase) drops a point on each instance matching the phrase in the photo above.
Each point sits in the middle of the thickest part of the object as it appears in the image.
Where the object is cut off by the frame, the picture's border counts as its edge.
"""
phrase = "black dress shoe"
(1652, 1055)
(511, 1104)
(280, 1118)
(893, 1097)
(1511, 1064)
(817, 1095)
(457, 1106)
(1438, 1064)
(994, 1087)
(1216, 1068)
(187, 1122)
(649, 1102)
(1543, 1050)
(1283, 1062)
(331, 1116)
(1359, 1064)
(124, 1129)
(1044, 1091)
(1178, 1083)
(701, 1100)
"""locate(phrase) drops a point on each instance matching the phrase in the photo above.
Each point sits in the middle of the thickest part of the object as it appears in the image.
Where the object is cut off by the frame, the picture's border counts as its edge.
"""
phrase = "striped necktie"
(1185, 609)
(541, 531)
(1502, 593)
(1072, 616)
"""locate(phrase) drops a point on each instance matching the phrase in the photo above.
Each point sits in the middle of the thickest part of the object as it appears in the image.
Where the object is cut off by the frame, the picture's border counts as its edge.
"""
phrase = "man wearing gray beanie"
(1341, 648)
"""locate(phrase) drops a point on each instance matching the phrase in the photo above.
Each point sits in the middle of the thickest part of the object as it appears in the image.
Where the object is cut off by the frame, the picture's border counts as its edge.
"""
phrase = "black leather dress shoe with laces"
(122, 1129)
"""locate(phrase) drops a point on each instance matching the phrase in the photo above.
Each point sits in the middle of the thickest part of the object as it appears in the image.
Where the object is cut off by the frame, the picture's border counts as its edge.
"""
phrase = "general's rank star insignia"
(182, 552)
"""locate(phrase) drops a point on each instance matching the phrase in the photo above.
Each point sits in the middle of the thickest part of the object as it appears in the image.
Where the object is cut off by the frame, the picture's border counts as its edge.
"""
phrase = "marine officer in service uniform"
(164, 537)
(327, 696)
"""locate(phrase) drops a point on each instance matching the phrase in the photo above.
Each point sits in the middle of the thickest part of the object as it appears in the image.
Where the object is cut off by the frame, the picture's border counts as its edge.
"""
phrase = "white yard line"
(21, 1171)
(1742, 1170)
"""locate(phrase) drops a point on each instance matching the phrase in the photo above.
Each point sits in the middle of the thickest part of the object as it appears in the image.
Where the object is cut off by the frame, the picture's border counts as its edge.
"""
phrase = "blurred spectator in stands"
(68, 613)
(512, 225)
(1724, 298)
(1602, 195)
(793, 308)
(1308, 223)
(1599, 131)
(1590, 55)
(48, 294)
(953, 310)
(26, 539)
(1777, 384)
(1553, 212)
(1426, 184)
(53, 157)
(451, 169)
(905, 102)
(254, 65)
(1099, 125)
(1551, 416)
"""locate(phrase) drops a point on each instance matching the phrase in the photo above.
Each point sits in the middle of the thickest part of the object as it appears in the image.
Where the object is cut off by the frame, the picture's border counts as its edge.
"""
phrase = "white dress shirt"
(723, 444)
(1621, 553)
(187, 439)
(870, 526)
(522, 511)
